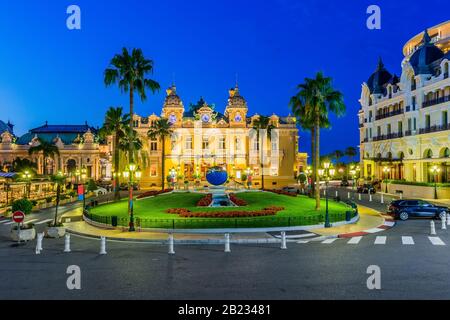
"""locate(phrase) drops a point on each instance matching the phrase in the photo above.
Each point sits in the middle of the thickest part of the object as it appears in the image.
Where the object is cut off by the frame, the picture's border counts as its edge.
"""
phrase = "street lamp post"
(327, 173)
(131, 172)
(27, 177)
(386, 171)
(435, 170)
(83, 182)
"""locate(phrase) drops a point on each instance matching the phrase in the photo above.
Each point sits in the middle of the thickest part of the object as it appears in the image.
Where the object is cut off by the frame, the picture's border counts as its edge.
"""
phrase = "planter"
(55, 232)
(23, 234)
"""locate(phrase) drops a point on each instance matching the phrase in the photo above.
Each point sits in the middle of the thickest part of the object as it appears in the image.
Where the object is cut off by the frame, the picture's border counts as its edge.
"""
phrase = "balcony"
(389, 114)
(408, 133)
(388, 136)
(435, 128)
(434, 102)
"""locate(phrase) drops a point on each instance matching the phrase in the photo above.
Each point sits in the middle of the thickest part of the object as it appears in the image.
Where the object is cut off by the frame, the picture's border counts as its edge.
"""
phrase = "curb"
(387, 224)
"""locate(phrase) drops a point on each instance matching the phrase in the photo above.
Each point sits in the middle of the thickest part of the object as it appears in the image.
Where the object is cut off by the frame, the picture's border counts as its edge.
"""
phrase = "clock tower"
(237, 109)
(173, 109)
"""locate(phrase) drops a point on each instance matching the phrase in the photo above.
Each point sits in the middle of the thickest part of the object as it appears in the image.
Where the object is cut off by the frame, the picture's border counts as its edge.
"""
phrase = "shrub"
(286, 193)
(49, 199)
(23, 205)
(153, 193)
(237, 201)
(178, 211)
(228, 214)
(205, 201)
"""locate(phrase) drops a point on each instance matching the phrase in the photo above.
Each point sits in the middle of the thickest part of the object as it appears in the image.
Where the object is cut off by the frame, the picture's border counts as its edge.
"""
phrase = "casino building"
(404, 120)
(204, 137)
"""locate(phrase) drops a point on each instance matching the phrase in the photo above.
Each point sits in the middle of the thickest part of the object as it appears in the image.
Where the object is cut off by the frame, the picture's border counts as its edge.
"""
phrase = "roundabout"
(190, 210)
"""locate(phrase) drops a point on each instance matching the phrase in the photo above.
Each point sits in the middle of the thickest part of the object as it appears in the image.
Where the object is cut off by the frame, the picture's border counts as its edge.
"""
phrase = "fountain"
(217, 177)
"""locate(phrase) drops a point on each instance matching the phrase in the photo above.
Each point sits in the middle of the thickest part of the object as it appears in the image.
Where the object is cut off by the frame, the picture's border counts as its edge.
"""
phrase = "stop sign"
(18, 217)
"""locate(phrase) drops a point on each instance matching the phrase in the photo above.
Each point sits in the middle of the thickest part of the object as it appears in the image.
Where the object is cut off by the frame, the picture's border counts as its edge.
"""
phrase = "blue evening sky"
(50, 73)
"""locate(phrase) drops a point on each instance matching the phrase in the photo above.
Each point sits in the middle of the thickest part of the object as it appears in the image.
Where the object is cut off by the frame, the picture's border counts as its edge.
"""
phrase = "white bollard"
(433, 228)
(171, 244)
(382, 198)
(401, 196)
(103, 245)
(67, 243)
(227, 243)
(444, 222)
(370, 197)
(359, 196)
(348, 195)
(283, 241)
(40, 237)
(337, 194)
(448, 219)
(324, 193)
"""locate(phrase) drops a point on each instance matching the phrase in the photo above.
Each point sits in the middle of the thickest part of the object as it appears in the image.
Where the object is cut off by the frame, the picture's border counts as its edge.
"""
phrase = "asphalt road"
(314, 270)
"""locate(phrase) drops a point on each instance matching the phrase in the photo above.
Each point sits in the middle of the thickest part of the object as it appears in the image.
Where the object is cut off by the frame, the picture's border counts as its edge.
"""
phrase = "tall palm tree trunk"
(163, 163)
(116, 166)
(313, 160)
(262, 163)
(58, 193)
(130, 157)
(317, 161)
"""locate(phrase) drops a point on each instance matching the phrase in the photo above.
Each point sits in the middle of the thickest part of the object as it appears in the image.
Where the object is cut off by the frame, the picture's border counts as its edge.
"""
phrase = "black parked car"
(366, 188)
(404, 209)
(124, 187)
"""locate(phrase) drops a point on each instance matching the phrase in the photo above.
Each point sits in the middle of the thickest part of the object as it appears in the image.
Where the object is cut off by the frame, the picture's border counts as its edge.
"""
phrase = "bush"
(23, 205)
(153, 193)
(49, 199)
(290, 194)
(178, 211)
(237, 201)
(205, 201)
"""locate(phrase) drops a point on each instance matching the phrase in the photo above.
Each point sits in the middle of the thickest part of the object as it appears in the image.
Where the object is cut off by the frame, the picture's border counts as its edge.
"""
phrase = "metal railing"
(435, 128)
(433, 102)
(389, 114)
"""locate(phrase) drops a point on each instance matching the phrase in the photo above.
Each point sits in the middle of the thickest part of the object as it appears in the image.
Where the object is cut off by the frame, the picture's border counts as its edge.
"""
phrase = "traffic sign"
(18, 217)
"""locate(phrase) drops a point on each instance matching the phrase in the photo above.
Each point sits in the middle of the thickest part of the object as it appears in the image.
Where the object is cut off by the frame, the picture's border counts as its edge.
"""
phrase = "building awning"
(8, 175)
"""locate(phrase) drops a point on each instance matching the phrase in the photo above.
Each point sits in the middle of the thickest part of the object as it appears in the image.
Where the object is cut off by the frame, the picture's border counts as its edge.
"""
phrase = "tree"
(318, 99)
(48, 150)
(161, 129)
(350, 152)
(22, 165)
(129, 72)
(338, 154)
(263, 123)
(59, 180)
(115, 124)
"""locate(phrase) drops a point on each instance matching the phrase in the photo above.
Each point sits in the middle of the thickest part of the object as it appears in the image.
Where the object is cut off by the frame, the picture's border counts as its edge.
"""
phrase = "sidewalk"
(369, 220)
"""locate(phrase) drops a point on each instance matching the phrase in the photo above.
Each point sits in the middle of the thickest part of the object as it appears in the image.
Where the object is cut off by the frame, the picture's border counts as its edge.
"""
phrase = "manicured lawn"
(151, 213)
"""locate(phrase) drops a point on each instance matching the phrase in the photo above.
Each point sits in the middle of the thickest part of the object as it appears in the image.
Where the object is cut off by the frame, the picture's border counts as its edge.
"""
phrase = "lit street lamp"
(386, 171)
(435, 171)
(131, 172)
(327, 173)
(26, 176)
(83, 179)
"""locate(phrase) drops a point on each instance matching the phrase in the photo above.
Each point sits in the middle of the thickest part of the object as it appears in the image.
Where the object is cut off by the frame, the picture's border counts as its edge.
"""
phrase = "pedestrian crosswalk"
(379, 240)
(8, 222)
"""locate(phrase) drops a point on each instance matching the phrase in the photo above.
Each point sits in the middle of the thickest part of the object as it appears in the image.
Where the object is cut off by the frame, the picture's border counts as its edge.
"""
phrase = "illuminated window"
(153, 170)
(205, 143)
(154, 145)
(188, 143)
(222, 143)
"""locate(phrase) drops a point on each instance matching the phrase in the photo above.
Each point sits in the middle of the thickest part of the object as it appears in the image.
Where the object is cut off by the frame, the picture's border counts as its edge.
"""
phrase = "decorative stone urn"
(23, 234)
(55, 232)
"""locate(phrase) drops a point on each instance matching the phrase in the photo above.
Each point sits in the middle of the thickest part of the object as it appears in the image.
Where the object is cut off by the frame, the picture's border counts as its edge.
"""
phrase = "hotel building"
(404, 121)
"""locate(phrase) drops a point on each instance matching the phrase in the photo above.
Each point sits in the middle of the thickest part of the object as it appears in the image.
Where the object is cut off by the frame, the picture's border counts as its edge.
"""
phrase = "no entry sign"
(18, 217)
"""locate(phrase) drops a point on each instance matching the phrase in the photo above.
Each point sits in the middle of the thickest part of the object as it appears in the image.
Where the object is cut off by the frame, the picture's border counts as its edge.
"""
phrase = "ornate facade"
(404, 122)
(77, 144)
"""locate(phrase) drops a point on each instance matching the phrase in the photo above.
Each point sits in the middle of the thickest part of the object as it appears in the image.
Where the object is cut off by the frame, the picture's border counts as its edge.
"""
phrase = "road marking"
(374, 230)
(436, 241)
(303, 241)
(354, 240)
(408, 240)
(329, 241)
(389, 223)
(3, 221)
(31, 221)
(9, 223)
(380, 240)
(44, 221)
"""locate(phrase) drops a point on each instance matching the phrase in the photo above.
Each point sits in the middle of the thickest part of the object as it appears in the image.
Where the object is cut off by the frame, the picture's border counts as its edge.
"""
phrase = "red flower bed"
(153, 193)
(205, 201)
(271, 211)
(178, 211)
(237, 201)
(290, 194)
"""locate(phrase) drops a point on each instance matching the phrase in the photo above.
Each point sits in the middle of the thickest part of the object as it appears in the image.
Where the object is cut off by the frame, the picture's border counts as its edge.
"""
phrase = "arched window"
(413, 83)
(428, 154)
(445, 153)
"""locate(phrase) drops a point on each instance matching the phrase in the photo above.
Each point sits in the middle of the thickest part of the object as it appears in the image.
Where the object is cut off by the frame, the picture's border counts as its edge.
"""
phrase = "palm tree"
(115, 124)
(299, 107)
(262, 123)
(161, 129)
(48, 150)
(129, 71)
(130, 136)
(21, 165)
(350, 152)
(319, 98)
(337, 154)
(58, 179)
